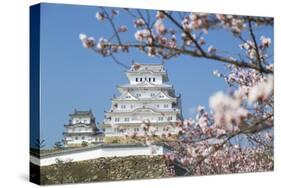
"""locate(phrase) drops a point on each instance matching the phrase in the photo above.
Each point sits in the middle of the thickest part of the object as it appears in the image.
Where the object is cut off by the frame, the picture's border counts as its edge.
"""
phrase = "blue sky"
(73, 77)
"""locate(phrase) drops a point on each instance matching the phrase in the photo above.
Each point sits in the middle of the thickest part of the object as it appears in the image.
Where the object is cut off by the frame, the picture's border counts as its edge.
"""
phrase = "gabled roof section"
(81, 113)
(126, 96)
(162, 95)
(144, 84)
(136, 67)
(145, 110)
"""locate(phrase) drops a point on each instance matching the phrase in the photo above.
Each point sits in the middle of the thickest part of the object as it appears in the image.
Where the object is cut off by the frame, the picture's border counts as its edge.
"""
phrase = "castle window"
(149, 79)
(166, 105)
(137, 79)
(123, 106)
(126, 119)
(140, 79)
(169, 118)
(136, 129)
(83, 137)
(160, 118)
(153, 79)
(117, 119)
(152, 94)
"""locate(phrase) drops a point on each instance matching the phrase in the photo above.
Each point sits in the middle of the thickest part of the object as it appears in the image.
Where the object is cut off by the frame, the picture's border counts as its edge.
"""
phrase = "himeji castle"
(146, 98)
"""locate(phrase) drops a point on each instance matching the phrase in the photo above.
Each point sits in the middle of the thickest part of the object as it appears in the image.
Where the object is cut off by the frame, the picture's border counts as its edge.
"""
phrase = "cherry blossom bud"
(185, 24)
(151, 51)
(114, 12)
(159, 26)
(123, 28)
(87, 42)
(102, 43)
(141, 35)
(266, 41)
(202, 41)
(100, 16)
(217, 73)
(212, 50)
(139, 22)
(200, 109)
(160, 14)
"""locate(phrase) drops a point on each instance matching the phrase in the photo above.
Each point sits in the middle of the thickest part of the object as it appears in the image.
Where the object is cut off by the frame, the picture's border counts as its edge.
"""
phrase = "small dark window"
(149, 79)
(137, 79)
(153, 79)
(141, 79)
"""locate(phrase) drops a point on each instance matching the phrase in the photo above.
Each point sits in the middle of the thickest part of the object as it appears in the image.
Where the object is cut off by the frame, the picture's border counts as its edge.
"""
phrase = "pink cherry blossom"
(87, 42)
(100, 16)
(212, 50)
(265, 41)
(139, 23)
(122, 28)
(262, 90)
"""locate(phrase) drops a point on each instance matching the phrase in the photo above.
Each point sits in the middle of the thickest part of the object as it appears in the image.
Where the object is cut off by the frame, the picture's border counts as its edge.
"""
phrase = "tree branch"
(198, 54)
(186, 32)
(255, 43)
(113, 26)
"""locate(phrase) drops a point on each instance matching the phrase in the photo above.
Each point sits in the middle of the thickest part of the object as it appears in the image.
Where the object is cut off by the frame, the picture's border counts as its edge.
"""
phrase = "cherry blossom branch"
(246, 130)
(255, 43)
(262, 20)
(259, 142)
(119, 63)
(186, 32)
(112, 25)
(198, 54)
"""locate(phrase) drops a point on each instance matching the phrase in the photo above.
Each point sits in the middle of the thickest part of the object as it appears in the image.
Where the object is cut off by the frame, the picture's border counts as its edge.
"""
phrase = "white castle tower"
(82, 128)
(147, 98)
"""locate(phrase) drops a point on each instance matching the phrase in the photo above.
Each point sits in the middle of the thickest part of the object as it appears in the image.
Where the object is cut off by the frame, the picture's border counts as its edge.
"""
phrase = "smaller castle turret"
(82, 129)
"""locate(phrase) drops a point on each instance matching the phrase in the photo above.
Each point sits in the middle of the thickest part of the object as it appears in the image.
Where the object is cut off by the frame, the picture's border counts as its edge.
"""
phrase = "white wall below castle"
(80, 139)
(100, 152)
(111, 132)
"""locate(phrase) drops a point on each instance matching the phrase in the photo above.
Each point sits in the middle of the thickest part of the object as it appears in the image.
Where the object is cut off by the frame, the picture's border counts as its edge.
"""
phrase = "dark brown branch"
(118, 62)
(255, 43)
(186, 32)
(207, 56)
(113, 26)
(263, 20)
